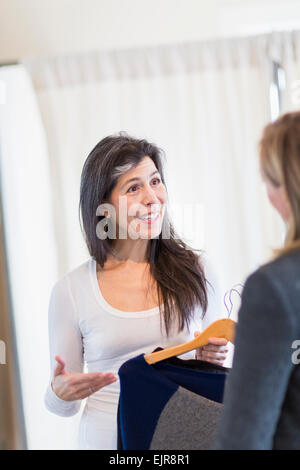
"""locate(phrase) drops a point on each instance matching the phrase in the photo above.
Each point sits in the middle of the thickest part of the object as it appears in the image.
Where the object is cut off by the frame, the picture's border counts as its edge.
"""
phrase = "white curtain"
(204, 104)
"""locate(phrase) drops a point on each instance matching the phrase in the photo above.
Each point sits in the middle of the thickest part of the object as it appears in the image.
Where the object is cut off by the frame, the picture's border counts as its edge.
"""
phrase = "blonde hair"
(279, 152)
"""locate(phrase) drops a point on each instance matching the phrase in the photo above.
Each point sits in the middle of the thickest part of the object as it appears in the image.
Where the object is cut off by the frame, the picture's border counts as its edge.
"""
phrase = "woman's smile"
(150, 218)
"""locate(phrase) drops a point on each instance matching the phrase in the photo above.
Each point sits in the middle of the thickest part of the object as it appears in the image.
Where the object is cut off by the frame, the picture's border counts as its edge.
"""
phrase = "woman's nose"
(149, 196)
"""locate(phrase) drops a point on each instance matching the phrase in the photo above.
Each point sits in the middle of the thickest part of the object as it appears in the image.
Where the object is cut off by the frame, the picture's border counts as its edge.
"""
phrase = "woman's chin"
(145, 230)
(145, 234)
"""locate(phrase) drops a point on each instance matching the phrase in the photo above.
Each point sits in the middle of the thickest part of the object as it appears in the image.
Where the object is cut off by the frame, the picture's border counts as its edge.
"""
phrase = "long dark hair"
(177, 270)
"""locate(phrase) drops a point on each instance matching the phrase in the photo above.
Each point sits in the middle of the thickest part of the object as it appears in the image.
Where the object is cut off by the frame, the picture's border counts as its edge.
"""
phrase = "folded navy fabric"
(172, 404)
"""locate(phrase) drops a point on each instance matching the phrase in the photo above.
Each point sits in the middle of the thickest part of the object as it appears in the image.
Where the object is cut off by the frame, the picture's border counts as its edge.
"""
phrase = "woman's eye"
(132, 189)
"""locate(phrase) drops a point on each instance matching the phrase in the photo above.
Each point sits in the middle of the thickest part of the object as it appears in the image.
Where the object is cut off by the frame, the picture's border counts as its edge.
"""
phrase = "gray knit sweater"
(262, 392)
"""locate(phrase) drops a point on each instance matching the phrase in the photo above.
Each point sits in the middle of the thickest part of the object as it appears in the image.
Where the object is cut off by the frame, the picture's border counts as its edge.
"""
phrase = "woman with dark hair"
(142, 288)
(261, 401)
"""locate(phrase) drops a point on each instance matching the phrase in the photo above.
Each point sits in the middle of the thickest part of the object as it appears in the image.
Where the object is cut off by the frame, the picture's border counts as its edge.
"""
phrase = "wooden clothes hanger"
(224, 328)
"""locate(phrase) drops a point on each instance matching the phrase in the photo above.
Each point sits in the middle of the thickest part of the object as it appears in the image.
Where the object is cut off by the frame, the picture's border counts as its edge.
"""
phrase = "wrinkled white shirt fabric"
(85, 328)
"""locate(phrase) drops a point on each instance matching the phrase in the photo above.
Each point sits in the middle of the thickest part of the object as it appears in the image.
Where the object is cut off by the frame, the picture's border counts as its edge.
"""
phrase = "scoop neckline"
(108, 307)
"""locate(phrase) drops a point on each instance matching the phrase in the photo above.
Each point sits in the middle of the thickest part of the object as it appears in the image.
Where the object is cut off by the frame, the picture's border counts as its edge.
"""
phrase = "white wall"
(51, 27)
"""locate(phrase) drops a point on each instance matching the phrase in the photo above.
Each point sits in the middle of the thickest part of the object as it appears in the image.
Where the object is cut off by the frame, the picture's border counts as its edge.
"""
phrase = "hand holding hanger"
(214, 352)
(222, 329)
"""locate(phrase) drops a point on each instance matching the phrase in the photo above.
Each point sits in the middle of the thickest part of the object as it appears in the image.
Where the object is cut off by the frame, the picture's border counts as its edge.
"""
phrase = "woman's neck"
(130, 250)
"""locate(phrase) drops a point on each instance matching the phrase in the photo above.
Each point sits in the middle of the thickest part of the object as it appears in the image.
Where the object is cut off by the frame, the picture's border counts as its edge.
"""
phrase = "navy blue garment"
(146, 389)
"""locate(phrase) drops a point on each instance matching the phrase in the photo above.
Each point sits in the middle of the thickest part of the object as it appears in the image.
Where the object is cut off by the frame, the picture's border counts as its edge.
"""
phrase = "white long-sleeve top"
(84, 327)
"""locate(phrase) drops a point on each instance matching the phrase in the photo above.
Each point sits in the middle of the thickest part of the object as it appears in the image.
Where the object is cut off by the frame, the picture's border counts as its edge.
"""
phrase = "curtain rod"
(6, 64)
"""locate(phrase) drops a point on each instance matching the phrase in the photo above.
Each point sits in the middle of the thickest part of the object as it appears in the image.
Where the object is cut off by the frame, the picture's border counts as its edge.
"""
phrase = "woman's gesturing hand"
(214, 352)
(76, 386)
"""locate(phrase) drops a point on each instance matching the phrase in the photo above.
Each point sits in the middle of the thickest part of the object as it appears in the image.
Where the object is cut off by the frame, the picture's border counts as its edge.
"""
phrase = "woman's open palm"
(76, 386)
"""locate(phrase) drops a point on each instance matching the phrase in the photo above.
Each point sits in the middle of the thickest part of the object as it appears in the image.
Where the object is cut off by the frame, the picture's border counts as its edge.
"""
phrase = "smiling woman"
(143, 287)
(134, 219)
(128, 173)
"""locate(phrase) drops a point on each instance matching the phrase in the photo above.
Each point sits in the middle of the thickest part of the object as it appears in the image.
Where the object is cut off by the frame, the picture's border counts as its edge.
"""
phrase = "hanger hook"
(230, 291)
(225, 303)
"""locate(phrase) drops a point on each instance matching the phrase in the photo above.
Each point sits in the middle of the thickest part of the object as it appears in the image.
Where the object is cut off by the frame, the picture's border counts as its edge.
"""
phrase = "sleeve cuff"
(58, 406)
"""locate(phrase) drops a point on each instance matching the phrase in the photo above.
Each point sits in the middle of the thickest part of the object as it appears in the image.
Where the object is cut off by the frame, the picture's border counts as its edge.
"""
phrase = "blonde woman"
(142, 287)
(261, 401)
